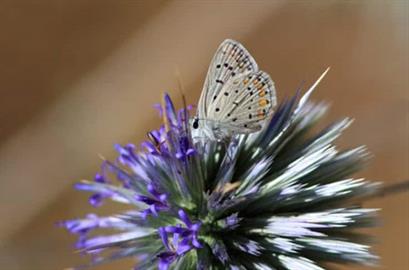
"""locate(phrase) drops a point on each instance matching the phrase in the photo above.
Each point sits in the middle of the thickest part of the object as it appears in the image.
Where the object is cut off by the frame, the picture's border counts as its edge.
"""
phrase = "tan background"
(78, 76)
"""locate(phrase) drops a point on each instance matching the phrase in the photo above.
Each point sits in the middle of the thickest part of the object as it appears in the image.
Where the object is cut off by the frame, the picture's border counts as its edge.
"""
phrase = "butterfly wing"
(231, 60)
(244, 103)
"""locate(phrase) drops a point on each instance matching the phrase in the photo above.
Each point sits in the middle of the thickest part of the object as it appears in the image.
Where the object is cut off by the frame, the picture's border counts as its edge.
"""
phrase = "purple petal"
(96, 199)
(163, 264)
(183, 247)
(173, 229)
(99, 178)
(85, 187)
(120, 149)
(145, 213)
(196, 226)
(196, 243)
(179, 155)
(154, 210)
(170, 109)
(97, 242)
(185, 218)
(190, 151)
(163, 198)
(149, 147)
(175, 239)
(165, 259)
(145, 199)
(152, 190)
(164, 236)
(162, 131)
(130, 147)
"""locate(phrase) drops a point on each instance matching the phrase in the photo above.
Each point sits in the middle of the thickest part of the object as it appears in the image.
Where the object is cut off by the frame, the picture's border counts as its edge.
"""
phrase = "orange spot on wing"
(262, 102)
(261, 114)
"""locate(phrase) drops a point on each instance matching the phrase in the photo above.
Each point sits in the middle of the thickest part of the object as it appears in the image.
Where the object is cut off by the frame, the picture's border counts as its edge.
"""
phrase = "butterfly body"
(237, 97)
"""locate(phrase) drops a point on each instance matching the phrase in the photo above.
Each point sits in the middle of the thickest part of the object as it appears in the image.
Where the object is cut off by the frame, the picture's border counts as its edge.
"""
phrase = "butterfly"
(237, 97)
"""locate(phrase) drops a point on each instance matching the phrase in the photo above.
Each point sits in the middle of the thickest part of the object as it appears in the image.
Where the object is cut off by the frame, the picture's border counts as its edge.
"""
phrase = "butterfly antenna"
(181, 89)
(178, 75)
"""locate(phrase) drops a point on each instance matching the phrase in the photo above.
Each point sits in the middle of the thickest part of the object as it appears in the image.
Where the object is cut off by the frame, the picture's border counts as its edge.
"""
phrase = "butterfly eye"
(196, 123)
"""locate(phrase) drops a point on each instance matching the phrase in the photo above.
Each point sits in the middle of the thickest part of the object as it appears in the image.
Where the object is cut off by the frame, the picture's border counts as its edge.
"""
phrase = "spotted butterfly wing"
(236, 96)
(244, 102)
(230, 60)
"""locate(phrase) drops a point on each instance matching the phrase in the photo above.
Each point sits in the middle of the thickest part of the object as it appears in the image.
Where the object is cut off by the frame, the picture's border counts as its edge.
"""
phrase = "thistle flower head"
(281, 198)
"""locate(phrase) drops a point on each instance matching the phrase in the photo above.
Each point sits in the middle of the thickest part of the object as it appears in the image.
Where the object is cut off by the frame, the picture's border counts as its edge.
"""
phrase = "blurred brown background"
(78, 76)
